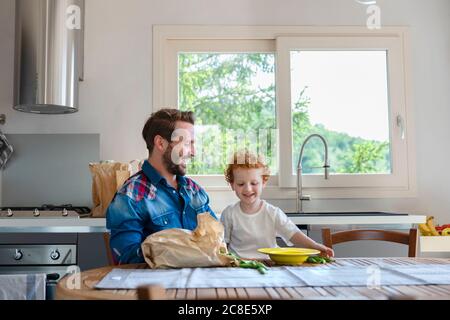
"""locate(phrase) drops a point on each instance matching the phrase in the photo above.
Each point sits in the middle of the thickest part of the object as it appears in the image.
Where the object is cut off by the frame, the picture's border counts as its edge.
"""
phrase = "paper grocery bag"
(107, 178)
(180, 248)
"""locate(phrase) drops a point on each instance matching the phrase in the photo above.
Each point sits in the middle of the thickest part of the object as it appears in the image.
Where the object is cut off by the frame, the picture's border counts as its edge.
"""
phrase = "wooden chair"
(409, 239)
(153, 292)
(106, 237)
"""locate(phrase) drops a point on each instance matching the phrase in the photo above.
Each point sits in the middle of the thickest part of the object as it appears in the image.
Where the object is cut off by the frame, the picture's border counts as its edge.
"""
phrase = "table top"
(88, 279)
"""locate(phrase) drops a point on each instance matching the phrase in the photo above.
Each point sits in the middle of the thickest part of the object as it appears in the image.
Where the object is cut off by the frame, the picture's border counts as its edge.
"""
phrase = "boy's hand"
(325, 251)
(329, 253)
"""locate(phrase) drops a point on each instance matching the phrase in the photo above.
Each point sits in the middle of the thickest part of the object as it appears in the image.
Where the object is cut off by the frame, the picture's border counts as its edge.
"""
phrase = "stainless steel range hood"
(48, 55)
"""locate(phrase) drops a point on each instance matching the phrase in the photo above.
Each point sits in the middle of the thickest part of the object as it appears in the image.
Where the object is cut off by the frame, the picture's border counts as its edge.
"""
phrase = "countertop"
(357, 219)
(93, 225)
(56, 225)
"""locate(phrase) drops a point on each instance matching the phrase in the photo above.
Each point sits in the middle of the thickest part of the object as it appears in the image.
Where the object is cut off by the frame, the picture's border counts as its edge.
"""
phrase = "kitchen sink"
(340, 214)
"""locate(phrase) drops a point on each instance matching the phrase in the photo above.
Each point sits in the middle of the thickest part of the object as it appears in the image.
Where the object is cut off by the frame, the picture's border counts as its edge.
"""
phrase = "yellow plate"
(291, 256)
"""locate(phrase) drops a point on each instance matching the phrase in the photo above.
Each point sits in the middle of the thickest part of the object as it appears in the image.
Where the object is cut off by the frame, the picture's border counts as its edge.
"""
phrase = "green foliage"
(347, 154)
(220, 90)
(366, 157)
(232, 106)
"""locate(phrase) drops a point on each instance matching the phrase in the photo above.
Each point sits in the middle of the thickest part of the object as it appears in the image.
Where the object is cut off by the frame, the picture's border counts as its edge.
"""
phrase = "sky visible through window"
(347, 90)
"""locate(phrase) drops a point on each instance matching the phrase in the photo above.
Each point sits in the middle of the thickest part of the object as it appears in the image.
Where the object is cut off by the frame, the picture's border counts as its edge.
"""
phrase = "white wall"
(115, 98)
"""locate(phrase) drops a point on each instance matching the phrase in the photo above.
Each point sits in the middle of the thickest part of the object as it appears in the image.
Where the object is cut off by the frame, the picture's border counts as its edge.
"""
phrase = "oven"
(53, 260)
(53, 254)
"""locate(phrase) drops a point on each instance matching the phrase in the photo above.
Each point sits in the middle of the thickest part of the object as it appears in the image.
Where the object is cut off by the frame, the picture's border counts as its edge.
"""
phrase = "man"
(159, 196)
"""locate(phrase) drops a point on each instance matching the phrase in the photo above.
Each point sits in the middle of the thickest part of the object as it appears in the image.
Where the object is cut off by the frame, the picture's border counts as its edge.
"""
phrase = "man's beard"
(171, 167)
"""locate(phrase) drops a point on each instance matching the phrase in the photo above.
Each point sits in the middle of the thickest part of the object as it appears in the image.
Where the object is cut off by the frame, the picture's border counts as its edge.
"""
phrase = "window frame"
(399, 175)
(217, 46)
(401, 183)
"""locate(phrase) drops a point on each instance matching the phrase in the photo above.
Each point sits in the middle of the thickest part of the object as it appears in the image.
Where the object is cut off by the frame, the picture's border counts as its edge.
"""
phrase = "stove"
(45, 211)
(55, 260)
(52, 254)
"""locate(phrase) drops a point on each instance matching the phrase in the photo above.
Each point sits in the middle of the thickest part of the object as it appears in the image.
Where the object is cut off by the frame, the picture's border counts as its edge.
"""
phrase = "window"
(233, 98)
(343, 96)
(268, 88)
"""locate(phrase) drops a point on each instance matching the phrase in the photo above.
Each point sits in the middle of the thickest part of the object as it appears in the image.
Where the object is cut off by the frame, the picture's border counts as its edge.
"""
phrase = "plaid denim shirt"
(145, 204)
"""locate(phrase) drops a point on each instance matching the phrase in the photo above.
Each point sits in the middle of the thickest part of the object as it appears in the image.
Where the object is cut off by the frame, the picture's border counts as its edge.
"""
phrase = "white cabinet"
(436, 247)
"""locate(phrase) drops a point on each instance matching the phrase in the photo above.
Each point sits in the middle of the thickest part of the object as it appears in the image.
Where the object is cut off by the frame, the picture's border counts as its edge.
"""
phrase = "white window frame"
(217, 46)
(169, 40)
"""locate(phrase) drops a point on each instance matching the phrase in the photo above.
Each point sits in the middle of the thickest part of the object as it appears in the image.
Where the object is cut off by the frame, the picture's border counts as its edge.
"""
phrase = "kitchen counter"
(93, 225)
(56, 225)
(356, 219)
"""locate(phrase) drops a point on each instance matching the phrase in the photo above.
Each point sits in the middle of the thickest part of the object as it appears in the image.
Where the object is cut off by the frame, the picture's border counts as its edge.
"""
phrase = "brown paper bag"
(107, 178)
(180, 248)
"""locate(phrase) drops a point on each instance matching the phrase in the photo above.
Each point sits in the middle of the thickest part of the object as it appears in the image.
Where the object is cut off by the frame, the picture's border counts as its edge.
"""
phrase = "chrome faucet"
(300, 196)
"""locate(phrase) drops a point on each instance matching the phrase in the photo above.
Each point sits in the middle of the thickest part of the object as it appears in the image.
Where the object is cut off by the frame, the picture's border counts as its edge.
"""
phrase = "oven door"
(53, 275)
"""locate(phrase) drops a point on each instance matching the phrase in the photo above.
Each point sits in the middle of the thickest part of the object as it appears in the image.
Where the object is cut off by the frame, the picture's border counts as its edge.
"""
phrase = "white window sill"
(273, 192)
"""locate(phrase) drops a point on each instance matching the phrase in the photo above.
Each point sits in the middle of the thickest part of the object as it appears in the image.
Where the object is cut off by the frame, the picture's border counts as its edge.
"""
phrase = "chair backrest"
(152, 292)
(106, 237)
(409, 239)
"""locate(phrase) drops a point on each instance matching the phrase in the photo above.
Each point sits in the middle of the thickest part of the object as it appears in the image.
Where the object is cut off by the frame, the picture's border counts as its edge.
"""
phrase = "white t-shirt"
(245, 233)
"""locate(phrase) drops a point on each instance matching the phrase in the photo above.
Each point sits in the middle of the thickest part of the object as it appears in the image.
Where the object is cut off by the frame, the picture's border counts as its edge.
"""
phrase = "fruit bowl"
(291, 256)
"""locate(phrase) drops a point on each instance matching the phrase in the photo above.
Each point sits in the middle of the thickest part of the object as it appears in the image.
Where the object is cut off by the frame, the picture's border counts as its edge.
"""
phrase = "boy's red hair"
(246, 160)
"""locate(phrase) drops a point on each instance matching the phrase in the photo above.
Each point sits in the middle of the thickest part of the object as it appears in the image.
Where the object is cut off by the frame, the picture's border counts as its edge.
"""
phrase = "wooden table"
(90, 278)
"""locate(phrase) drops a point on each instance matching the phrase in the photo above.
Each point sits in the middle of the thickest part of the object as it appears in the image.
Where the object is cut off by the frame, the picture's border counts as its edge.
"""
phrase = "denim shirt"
(145, 204)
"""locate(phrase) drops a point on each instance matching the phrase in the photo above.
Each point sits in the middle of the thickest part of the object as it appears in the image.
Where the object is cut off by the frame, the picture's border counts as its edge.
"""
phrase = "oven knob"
(54, 255)
(36, 213)
(18, 254)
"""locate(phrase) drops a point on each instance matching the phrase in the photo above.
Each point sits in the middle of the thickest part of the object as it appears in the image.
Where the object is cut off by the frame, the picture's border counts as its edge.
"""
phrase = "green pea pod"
(253, 263)
(262, 270)
(316, 260)
(245, 264)
(248, 263)
(319, 260)
(262, 266)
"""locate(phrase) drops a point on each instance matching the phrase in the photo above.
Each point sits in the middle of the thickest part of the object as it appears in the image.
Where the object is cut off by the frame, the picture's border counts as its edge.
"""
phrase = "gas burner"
(44, 211)
(51, 207)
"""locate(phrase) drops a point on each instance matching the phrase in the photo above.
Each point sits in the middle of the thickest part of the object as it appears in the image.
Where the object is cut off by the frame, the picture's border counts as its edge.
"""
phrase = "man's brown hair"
(163, 123)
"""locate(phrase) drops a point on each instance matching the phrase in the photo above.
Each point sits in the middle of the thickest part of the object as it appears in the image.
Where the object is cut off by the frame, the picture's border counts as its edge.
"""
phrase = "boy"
(252, 223)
